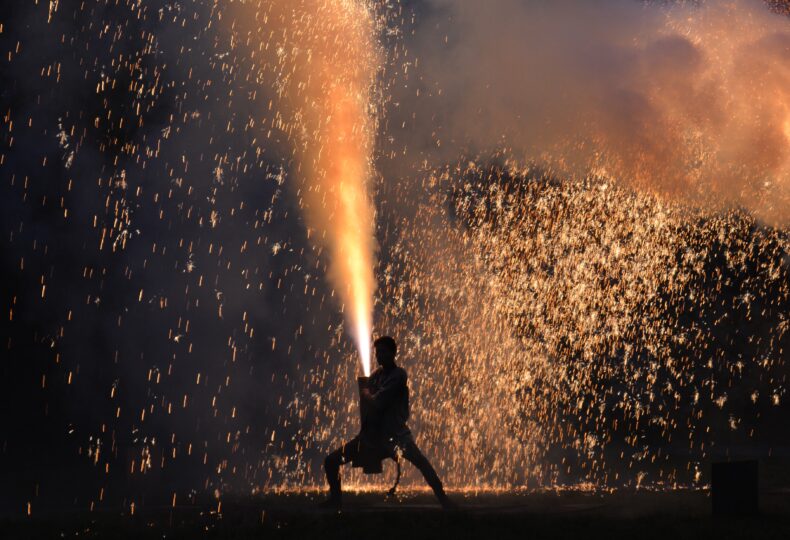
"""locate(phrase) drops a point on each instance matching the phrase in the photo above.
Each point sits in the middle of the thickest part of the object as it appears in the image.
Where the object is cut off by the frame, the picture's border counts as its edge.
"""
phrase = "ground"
(644, 515)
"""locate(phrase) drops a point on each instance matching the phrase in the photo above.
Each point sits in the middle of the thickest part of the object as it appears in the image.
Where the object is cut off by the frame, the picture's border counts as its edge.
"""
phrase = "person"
(385, 433)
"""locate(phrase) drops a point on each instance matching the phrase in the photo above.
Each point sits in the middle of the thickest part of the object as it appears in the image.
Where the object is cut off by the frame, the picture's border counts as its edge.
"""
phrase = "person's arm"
(392, 385)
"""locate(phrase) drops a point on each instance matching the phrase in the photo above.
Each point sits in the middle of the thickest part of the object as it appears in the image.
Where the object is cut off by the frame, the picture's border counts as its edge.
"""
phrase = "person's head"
(386, 349)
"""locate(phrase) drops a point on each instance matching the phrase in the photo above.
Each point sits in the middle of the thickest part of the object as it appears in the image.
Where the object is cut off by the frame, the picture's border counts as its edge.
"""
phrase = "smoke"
(326, 61)
(687, 101)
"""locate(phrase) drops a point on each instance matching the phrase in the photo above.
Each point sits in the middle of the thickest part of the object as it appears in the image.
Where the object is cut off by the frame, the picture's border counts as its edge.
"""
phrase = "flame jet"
(326, 61)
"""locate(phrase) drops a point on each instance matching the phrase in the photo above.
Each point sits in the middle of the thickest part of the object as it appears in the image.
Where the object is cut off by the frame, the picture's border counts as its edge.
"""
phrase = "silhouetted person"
(385, 433)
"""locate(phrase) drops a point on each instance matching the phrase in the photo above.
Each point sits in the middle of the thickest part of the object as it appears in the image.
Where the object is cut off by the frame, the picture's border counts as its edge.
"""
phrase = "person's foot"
(447, 503)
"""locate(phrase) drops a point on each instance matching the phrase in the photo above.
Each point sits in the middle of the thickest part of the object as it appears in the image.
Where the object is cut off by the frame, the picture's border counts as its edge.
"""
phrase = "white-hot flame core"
(363, 343)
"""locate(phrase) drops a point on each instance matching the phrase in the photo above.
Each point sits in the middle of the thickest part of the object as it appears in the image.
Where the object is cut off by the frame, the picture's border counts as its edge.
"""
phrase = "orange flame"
(328, 59)
(351, 221)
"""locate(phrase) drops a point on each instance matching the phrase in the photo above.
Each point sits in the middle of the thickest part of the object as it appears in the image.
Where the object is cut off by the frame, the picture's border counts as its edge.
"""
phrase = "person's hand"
(365, 394)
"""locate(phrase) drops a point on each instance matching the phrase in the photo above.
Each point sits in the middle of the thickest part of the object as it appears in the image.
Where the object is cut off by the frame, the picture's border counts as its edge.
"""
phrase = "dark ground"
(643, 515)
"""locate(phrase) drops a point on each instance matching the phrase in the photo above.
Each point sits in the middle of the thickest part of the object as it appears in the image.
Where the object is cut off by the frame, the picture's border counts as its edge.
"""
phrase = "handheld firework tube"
(369, 458)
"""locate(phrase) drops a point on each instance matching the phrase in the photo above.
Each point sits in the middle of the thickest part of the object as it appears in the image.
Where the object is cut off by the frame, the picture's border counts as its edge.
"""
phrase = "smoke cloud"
(689, 101)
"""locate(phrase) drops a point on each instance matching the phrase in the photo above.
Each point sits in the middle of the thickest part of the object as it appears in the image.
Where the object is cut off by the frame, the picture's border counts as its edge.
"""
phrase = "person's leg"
(332, 464)
(411, 452)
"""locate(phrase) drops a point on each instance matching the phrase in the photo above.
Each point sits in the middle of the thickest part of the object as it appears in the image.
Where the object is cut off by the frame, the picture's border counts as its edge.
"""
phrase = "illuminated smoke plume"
(327, 58)
(690, 101)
